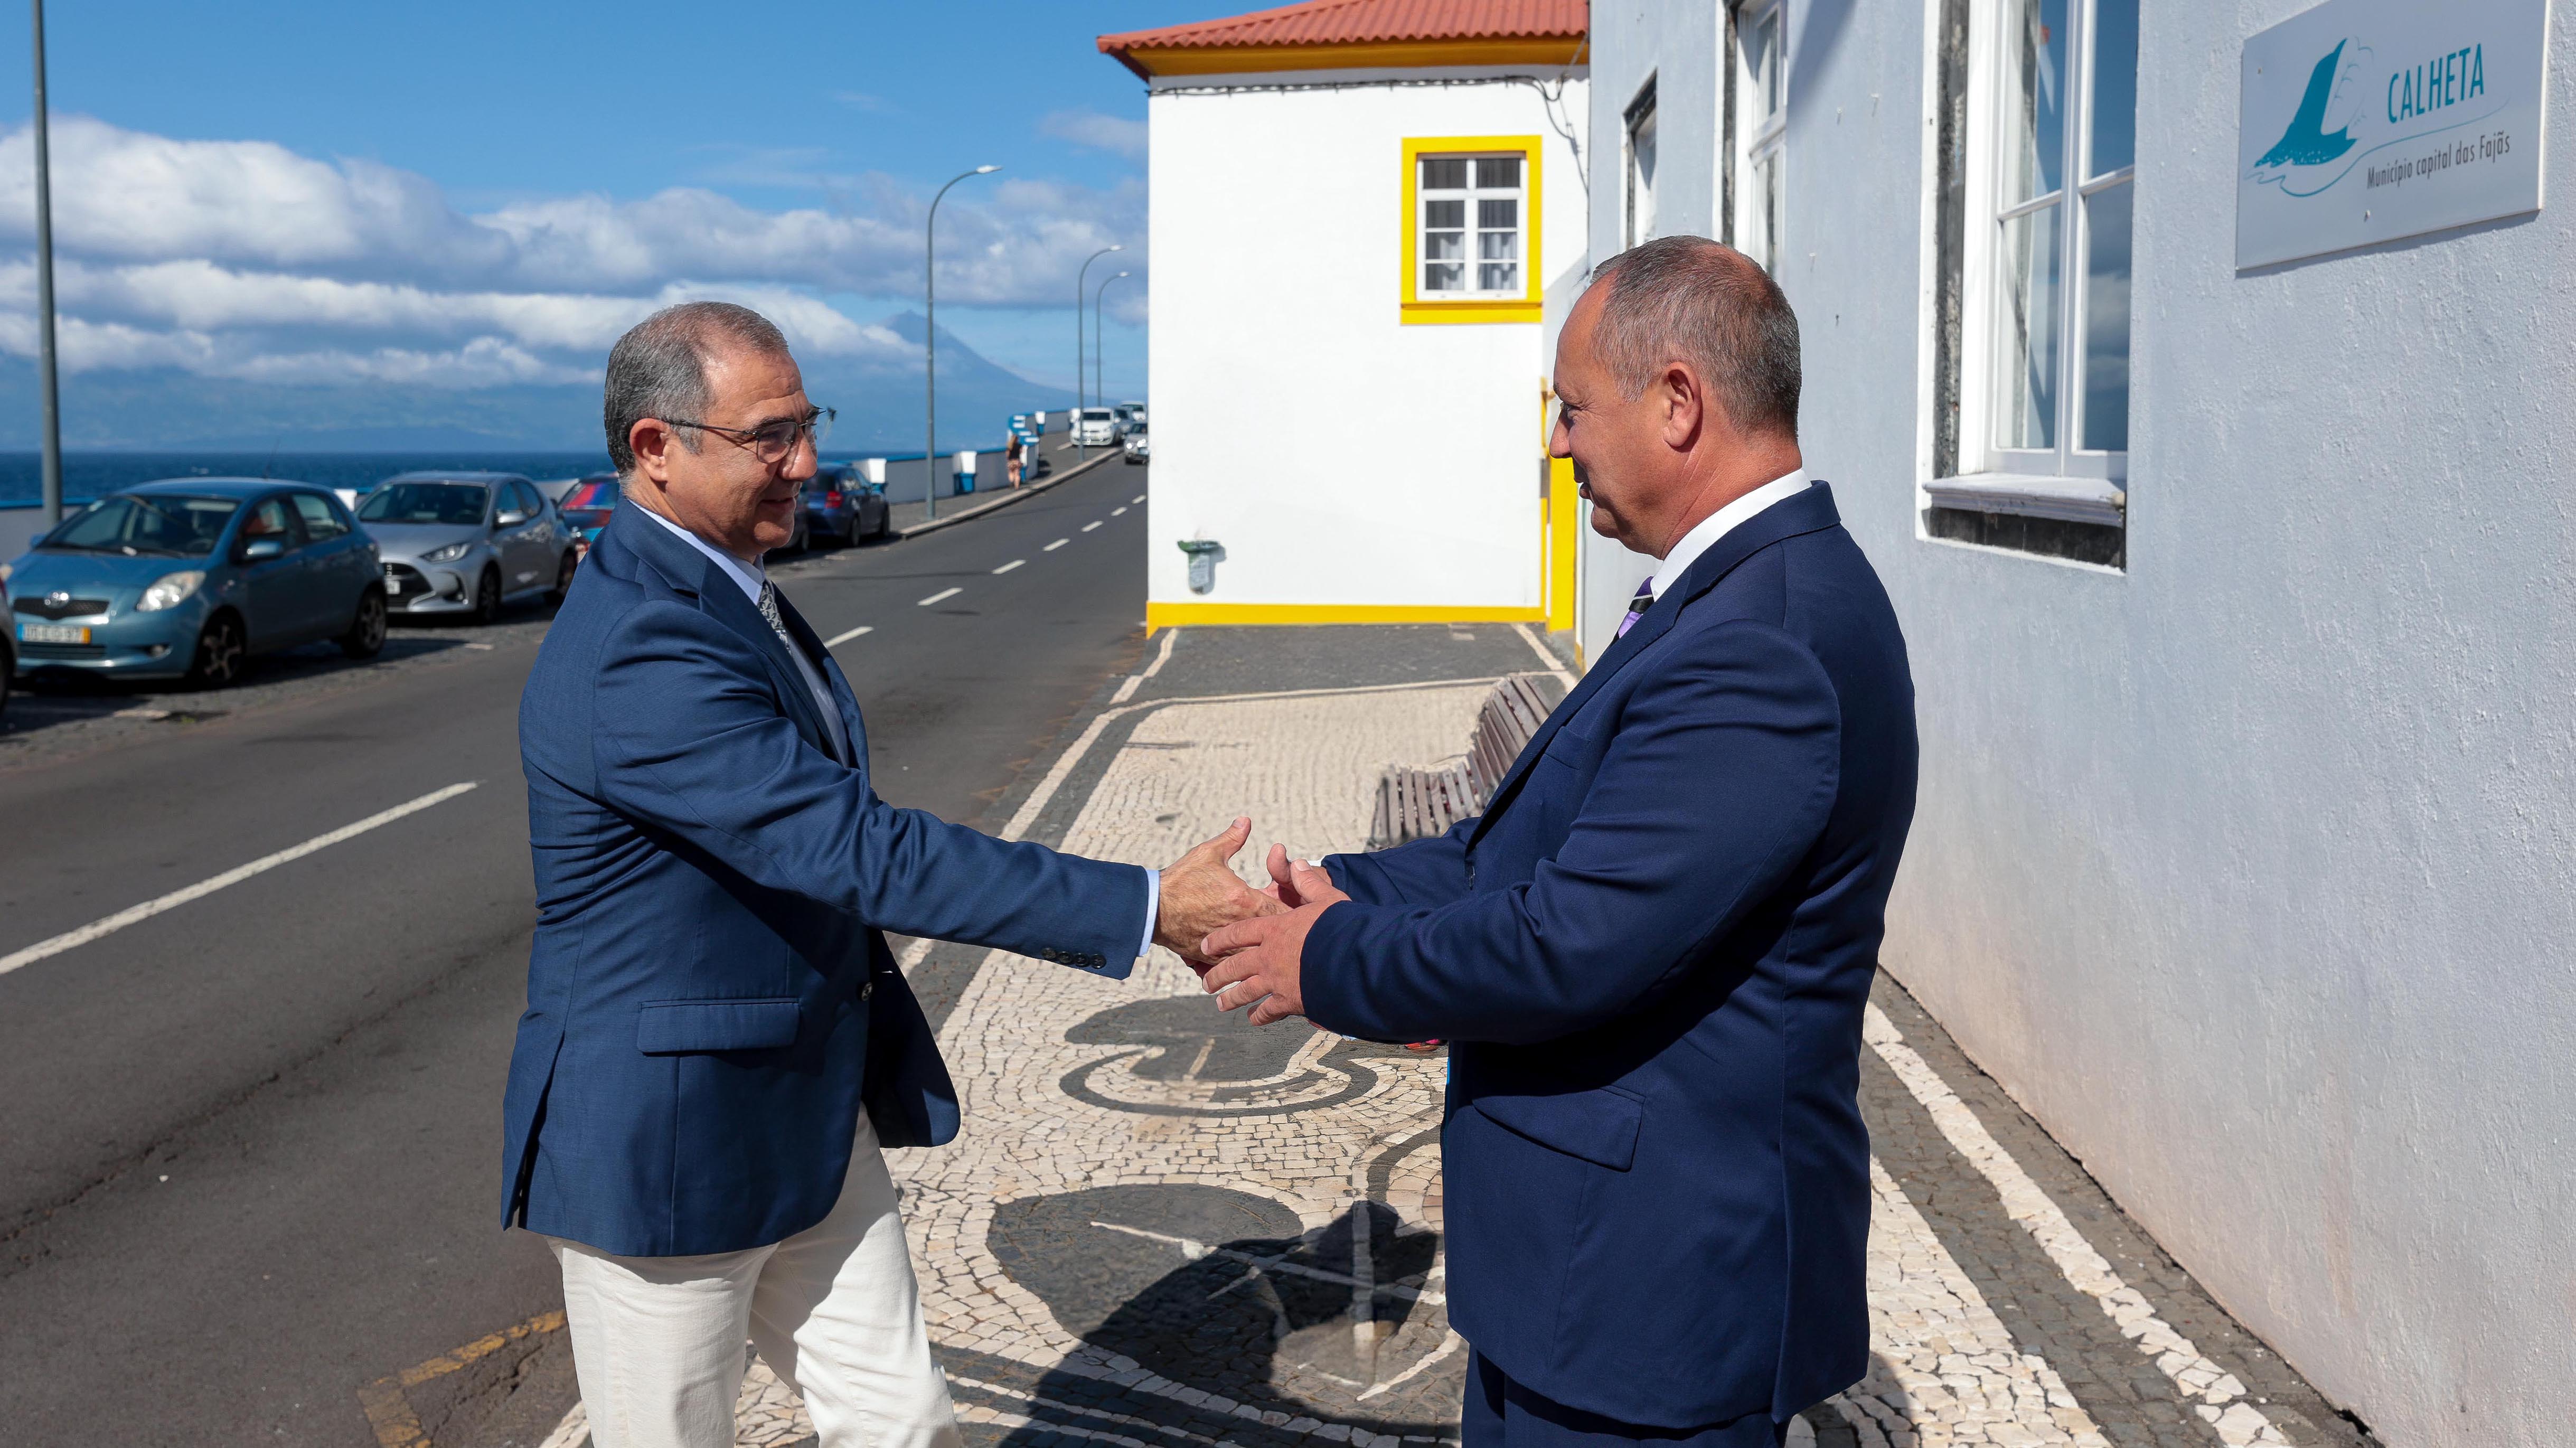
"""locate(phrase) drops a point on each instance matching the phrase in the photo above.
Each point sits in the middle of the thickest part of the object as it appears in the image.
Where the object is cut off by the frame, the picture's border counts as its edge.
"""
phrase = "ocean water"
(88, 474)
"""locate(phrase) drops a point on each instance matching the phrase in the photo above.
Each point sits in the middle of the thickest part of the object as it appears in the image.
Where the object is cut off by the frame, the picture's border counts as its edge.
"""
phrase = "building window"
(2038, 159)
(1759, 88)
(1471, 229)
(1641, 168)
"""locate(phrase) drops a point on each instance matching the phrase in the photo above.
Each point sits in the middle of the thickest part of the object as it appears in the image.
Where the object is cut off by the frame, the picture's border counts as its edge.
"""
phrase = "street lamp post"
(52, 425)
(1078, 278)
(1098, 382)
(930, 343)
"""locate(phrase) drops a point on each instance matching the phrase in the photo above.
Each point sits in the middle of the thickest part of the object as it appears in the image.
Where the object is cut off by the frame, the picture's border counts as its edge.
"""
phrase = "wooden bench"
(1416, 802)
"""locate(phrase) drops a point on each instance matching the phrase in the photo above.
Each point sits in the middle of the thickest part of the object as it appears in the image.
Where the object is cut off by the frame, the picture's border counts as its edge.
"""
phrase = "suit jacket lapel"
(1808, 512)
(830, 668)
(721, 597)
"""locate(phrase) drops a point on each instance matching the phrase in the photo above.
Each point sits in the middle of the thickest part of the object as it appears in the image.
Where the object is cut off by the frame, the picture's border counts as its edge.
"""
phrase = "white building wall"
(1340, 456)
(2248, 870)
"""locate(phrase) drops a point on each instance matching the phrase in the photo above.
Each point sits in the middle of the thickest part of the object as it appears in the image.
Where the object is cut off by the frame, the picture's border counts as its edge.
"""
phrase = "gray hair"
(1689, 299)
(659, 368)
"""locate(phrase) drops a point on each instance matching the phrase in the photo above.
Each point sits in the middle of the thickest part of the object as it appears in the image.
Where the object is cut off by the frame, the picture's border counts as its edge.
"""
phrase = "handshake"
(1246, 944)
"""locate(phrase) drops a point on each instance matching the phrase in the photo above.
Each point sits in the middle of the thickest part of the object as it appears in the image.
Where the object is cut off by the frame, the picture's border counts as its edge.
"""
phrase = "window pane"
(1444, 213)
(319, 520)
(1444, 245)
(1498, 246)
(2034, 98)
(1505, 213)
(1499, 173)
(2106, 320)
(1445, 277)
(1503, 277)
(1444, 173)
(1764, 57)
(1641, 179)
(2115, 85)
(2028, 396)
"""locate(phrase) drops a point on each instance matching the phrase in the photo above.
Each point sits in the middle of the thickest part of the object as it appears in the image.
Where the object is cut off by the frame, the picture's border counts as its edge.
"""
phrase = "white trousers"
(657, 1342)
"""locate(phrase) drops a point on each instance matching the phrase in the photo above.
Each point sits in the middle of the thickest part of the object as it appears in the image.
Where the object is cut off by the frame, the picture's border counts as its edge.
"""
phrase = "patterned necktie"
(769, 611)
(1637, 607)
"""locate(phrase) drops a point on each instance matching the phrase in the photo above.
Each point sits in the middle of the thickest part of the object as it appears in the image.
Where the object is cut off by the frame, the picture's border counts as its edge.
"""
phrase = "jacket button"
(867, 988)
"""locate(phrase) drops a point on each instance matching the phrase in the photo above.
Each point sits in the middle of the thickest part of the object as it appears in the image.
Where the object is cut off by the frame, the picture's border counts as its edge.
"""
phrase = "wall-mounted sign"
(2368, 120)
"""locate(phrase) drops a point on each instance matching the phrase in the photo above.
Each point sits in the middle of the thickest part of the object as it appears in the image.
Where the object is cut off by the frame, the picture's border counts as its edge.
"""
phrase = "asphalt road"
(249, 1146)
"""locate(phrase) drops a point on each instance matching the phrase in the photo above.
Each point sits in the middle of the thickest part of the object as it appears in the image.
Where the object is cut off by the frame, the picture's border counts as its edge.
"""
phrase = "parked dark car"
(586, 506)
(841, 504)
(188, 577)
(8, 643)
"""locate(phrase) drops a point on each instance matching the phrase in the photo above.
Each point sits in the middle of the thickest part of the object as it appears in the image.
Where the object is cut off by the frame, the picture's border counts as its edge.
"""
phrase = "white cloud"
(1099, 132)
(245, 259)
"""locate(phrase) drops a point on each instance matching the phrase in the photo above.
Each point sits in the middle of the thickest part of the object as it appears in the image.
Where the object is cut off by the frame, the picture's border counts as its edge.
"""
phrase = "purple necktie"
(1637, 607)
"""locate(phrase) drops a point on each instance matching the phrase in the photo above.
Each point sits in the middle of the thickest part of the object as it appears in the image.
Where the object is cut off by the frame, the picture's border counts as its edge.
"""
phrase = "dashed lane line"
(1007, 567)
(836, 640)
(940, 596)
(1051, 547)
(1094, 523)
(1115, 512)
(233, 876)
(1140, 497)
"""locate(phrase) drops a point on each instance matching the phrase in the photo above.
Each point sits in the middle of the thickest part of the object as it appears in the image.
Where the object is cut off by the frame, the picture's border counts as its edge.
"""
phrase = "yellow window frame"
(1528, 307)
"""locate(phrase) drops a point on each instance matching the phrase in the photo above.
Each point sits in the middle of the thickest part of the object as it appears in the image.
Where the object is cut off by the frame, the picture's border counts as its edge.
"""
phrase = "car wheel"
(217, 663)
(487, 598)
(366, 636)
(564, 571)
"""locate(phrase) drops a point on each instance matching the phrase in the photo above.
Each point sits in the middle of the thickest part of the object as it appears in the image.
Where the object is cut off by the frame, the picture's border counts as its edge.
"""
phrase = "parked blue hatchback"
(189, 577)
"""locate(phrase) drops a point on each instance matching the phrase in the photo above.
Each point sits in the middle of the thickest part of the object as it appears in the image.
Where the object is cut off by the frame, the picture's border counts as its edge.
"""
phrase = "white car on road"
(1095, 427)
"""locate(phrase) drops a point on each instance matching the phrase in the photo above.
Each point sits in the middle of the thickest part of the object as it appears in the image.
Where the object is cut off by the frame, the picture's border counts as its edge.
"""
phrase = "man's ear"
(1685, 405)
(649, 440)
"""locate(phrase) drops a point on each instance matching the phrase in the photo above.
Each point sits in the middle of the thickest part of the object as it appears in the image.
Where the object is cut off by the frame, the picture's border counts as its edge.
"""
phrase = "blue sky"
(468, 192)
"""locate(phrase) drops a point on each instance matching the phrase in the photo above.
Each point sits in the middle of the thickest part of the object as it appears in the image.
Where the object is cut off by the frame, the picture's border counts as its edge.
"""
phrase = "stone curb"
(1019, 494)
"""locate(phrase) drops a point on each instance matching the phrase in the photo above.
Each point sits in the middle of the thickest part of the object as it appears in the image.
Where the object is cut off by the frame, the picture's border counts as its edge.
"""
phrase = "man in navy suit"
(717, 1042)
(1652, 951)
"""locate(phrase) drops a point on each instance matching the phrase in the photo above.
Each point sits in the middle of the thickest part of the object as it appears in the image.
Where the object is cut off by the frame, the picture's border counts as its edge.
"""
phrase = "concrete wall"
(2248, 869)
(1343, 458)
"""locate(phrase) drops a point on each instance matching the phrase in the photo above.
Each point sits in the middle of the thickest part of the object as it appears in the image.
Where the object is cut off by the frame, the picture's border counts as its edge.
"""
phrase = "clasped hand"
(1244, 943)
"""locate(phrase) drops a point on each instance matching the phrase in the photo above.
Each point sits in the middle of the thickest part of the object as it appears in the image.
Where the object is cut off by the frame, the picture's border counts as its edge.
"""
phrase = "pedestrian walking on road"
(717, 1044)
(1651, 953)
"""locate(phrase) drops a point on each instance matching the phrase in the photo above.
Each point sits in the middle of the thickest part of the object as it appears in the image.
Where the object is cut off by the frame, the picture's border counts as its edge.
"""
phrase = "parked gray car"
(467, 543)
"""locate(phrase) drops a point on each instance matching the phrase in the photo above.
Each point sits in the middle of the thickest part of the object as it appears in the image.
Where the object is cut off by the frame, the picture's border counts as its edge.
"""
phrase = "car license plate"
(52, 633)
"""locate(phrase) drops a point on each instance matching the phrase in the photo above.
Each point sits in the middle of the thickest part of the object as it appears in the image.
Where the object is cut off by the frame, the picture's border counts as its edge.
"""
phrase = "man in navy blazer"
(1651, 952)
(717, 1042)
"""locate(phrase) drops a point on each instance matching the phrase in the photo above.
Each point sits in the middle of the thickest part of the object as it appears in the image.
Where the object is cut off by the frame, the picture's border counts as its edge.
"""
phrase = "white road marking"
(1094, 523)
(1114, 512)
(2224, 1401)
(1140, 497)
(936, 597)
(1051, 547)
(836, 640)
(1127, 690)
(234, 876)
(1555, 665)
(1007, 567)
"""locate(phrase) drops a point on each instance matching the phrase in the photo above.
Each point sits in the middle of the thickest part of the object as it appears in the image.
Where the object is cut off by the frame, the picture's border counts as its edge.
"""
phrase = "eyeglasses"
(771, 442)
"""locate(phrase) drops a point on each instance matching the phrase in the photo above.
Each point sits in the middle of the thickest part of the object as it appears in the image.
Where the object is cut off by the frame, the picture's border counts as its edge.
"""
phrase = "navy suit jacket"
(710, 997)
(1651, 954)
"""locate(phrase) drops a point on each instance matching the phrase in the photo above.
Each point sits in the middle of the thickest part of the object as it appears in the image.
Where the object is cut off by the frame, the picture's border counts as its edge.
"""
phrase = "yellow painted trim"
(1387, 55)
(1176, 615)
(1412, 308)
(1562, 521)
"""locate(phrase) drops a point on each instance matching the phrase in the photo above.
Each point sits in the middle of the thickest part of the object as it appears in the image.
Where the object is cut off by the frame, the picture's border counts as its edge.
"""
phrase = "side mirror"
(511, 518)
(259, 548)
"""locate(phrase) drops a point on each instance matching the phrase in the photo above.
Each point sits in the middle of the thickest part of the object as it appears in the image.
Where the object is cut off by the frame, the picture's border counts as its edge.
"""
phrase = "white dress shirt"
(1722, 522)
(750, 577)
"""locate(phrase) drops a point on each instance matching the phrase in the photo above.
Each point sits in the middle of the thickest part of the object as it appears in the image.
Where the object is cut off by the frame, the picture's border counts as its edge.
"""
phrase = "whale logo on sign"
(2315, 149)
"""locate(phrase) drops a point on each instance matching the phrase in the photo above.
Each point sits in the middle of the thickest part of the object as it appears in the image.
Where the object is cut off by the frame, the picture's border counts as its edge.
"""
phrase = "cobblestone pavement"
(1161, 1228)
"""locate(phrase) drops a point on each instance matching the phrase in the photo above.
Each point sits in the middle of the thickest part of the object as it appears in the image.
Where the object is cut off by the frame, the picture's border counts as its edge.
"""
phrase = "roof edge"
(1151, 62)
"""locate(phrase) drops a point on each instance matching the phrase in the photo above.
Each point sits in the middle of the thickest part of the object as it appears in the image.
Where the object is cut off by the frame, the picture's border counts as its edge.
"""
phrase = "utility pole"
(930, 341)
(1099, 383)
(52, 426)
(1078, 278)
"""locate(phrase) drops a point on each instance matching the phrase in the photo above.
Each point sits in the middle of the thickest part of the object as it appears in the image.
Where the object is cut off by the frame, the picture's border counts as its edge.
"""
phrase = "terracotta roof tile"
(1327, 23)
